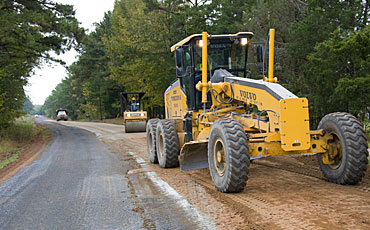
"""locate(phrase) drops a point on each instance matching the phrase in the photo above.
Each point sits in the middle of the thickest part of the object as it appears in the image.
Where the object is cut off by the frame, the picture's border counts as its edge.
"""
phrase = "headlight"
(244, 41)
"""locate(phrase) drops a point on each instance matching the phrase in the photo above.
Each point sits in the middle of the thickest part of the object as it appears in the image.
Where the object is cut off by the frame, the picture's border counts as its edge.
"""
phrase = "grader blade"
(194, 155)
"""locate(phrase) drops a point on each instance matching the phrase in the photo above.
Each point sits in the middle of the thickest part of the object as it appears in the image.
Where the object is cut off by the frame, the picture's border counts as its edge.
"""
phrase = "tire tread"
(152, 128)
(238, 156)
(356, 148)
(171, 144)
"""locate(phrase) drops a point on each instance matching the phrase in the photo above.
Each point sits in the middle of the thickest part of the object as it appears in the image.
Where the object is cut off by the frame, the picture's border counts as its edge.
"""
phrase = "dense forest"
(322, 50)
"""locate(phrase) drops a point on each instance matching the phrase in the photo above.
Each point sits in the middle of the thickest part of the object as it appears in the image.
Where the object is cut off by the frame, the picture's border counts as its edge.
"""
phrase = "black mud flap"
(194, 155)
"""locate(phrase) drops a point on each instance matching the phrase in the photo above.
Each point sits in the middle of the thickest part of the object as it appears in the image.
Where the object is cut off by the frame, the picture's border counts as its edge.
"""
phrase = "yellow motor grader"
(217, 118)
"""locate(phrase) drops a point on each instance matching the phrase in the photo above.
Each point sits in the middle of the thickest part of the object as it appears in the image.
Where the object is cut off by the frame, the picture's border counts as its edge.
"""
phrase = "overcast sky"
(47, 77)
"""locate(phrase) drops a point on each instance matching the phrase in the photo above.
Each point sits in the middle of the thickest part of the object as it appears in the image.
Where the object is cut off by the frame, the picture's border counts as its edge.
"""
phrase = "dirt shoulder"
(286, 192)
(28, 152)
(282, 193)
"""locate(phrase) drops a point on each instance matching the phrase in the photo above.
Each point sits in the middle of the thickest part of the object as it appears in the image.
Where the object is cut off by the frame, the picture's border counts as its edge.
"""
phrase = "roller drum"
(135, 126)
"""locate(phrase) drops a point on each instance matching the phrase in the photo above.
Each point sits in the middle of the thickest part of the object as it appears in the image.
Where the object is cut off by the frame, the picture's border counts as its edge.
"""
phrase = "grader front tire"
(167, 144)
(228, 155)
(347, 150)
(151, 131)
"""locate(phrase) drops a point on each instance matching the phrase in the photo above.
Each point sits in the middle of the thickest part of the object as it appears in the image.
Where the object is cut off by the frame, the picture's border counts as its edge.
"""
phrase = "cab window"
(185, 81)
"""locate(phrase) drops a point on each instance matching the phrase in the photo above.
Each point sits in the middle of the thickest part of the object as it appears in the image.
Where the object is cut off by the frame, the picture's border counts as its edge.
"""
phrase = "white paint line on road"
(181, 201)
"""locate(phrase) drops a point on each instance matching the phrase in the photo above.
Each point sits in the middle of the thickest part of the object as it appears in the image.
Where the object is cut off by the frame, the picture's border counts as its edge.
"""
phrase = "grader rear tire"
(151, 129)
(167, 144)
(349, 143)
(228, 155)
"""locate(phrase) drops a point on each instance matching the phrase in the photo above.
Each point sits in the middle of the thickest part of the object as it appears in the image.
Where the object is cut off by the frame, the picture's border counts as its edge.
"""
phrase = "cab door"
(175, 101)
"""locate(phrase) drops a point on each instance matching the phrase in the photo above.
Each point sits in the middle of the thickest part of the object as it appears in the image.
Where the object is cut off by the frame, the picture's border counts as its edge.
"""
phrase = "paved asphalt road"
(77, 183)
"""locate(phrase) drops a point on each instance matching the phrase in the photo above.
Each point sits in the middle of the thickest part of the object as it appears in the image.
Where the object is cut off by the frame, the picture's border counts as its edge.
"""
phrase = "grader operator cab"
(217, 118)
(134, 116)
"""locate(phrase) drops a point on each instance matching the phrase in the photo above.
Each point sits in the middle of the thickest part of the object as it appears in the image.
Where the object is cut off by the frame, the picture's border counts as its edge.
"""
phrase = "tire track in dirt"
(303, 170)
(364, 186)
(261, 206)
(311, 171)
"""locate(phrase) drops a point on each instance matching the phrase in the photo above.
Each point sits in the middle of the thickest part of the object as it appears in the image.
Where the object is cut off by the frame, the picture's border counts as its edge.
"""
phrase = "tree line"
(30, 31)
(321, 52)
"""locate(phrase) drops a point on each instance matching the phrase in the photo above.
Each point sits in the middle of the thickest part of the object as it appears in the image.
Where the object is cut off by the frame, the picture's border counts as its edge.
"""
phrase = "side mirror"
(259, 54)
(179, 72)
(179, 59)
(260, 68)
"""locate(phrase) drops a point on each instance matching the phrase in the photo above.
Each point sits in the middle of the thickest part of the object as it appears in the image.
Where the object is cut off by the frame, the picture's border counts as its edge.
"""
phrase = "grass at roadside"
(15, 138)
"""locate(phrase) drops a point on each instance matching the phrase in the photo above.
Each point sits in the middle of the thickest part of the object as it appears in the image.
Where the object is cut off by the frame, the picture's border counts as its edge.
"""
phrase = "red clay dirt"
(282, 193)
(29, 153)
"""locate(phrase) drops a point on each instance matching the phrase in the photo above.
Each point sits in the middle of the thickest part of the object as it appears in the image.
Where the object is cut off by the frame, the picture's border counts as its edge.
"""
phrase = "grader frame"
(242, 119)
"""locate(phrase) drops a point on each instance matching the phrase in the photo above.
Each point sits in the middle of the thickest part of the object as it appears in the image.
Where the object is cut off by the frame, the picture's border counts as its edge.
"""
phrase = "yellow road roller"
(61, 114)
(134, 116)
